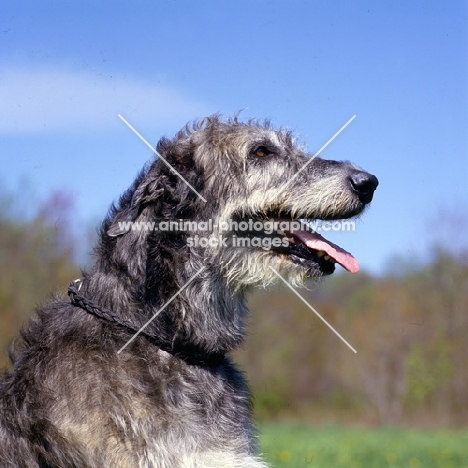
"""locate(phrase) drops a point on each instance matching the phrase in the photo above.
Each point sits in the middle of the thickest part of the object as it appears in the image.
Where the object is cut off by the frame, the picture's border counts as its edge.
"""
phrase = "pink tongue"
(317, 242)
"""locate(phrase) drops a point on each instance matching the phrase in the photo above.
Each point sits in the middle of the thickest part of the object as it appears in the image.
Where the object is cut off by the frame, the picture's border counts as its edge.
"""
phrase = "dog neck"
(189, 353)
(195, 316)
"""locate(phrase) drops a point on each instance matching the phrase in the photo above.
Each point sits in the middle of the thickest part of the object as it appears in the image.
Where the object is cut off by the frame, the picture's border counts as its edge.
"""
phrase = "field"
(337, 447)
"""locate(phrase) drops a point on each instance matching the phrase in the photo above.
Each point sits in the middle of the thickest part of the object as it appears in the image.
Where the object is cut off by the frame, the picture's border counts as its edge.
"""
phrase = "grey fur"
(73, 401)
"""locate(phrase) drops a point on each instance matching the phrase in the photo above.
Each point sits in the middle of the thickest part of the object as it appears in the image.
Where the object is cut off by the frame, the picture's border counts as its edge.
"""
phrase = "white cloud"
(61, 101)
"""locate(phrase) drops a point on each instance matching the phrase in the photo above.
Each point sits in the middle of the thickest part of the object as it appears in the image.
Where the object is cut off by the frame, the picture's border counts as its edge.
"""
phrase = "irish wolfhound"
(85, 392)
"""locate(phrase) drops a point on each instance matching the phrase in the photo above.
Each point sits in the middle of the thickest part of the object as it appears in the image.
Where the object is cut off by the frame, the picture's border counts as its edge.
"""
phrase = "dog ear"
(146, 193)
(156, 183)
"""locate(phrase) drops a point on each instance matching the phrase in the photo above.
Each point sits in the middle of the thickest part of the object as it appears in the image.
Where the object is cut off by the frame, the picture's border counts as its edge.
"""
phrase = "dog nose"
(364, 184)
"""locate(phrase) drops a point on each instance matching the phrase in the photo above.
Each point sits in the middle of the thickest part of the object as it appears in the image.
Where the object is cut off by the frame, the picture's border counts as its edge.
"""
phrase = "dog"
(132, 370)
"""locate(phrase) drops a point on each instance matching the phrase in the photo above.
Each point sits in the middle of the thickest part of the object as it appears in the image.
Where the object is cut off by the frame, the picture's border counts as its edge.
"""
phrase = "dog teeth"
(327, 258)
(281, 232)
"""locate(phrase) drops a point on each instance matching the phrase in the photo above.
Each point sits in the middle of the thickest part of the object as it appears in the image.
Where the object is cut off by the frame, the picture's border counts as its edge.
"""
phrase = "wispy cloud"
(57, 101)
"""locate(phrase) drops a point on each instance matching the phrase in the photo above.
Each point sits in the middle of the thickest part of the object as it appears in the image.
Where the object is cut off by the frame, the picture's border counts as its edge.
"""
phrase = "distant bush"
(409, 328)
(36, 257)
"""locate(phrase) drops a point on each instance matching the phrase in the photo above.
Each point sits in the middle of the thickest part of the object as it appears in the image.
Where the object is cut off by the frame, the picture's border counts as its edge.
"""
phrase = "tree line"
(409, 327)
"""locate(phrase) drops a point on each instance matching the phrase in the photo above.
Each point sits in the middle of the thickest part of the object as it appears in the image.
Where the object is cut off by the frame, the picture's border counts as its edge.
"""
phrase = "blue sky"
(68, 68)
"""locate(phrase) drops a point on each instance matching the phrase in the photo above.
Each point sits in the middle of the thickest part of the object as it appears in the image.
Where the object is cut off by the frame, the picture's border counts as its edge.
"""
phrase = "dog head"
(244, 199)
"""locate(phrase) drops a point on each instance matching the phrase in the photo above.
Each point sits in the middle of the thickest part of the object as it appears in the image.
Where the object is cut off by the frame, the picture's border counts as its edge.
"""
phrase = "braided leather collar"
(189, 354)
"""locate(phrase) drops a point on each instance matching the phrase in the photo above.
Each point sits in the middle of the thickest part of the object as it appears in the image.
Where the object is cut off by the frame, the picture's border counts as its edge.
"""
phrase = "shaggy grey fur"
(73, 401)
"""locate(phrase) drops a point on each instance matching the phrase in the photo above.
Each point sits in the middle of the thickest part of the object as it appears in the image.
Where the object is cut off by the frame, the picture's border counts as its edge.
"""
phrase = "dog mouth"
(304, 246)
(311, 245)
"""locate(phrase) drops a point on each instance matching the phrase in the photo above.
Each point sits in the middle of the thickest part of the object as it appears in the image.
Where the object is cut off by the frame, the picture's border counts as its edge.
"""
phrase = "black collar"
(188, 353)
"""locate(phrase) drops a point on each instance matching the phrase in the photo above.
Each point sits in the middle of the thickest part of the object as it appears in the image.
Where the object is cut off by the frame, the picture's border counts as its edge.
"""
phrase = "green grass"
(338, 447)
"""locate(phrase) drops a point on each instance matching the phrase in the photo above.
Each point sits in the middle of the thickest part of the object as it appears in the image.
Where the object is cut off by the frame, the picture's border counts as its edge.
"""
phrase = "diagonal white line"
(161, 309)
(158, 155)
(311, 308)
(317, 153)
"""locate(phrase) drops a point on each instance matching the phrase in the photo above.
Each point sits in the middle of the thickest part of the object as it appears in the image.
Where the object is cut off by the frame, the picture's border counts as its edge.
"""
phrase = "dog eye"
(261, 152)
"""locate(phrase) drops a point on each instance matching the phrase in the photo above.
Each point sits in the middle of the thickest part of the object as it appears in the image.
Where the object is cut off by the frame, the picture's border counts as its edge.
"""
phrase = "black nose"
(364, 185)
